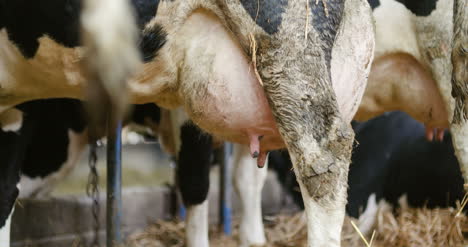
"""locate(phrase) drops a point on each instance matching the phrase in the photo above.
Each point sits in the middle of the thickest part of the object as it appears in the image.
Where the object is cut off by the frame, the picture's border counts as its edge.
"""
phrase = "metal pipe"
(225, 211)
(114, 183)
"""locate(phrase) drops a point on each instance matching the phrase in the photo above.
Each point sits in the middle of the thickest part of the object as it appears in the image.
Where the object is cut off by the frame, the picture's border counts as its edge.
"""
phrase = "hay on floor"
(405, 228)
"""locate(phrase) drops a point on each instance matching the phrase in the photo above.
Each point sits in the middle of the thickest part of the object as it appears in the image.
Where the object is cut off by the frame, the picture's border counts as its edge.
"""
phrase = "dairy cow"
(420, 65)
(41, 142)
(262, 73)
(24, 26)
(408, 73)
(411, 69)
(391, 160)
(386, 90)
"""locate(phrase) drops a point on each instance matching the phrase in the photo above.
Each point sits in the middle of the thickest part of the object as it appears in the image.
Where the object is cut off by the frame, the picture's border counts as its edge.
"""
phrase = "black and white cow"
(415, 68)
(54, 146)
(268, 74)
(24, 27)
(199, 55)
(400, 80)
(41, 142)
(391, 159)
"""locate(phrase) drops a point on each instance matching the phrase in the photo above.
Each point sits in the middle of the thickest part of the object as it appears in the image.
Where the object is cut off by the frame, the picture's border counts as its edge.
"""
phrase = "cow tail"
(109, 35)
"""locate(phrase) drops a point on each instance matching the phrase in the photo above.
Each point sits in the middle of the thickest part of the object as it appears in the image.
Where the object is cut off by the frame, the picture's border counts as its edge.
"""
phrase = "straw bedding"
(404, 228)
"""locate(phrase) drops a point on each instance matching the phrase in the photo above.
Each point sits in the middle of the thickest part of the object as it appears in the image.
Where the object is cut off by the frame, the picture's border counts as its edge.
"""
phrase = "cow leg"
(193, 168)
(14, 138)
(8, 195)
(459, 126)
(248, 182)
(42, 186)
(320, 144)
(5, 230)
(196, 225)
(297, 80)
(324, 198)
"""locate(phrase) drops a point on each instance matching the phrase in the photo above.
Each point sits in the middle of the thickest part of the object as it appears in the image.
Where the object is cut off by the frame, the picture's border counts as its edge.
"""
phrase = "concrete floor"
(142, 165)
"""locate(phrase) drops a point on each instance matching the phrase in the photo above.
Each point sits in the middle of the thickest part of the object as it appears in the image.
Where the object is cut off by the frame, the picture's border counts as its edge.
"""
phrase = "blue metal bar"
(114, 183)
(182, 211)
(226, 188)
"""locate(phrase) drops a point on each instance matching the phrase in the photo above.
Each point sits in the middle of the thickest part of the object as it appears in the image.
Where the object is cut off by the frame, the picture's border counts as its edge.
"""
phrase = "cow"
(38, 139)
(399, 80)
(42, 141)
(24, 26)
(260, 73)
(54, 146)
(64, 128)
(391, 160)
(402, 77)
(420, 65)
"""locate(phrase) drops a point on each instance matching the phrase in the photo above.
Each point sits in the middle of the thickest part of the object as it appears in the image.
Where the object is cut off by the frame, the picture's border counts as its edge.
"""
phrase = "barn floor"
(147, 165)
(411, 228)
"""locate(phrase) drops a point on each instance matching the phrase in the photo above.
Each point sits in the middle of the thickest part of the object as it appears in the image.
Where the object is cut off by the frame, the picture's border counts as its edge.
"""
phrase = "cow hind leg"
(193, 178)
(459, 126)
(248, 182)
(196, 226)
(320, 144)
(324, 198)
(298, 84)
(12, 150)
(5, 231)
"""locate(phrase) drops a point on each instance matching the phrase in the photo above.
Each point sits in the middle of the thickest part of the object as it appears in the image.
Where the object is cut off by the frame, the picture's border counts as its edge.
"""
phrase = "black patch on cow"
(48, 145)
(26, 21)
(146, 111)
(327, 25)
(427, 172)
(152, 39)
(193, 165)
(2, 18)
(370, 158)
(374, 3)
(268, 14)
(420, 7)
(146, 10)
(12, 153)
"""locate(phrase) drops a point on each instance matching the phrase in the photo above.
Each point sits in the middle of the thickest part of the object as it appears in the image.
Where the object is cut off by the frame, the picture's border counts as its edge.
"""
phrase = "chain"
(92, 190)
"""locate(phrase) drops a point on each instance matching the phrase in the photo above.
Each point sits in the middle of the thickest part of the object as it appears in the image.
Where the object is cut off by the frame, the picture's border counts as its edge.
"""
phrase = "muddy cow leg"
(296, 76)
(193, 168)
(459, 125)
(320, 147)
(248, 182)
